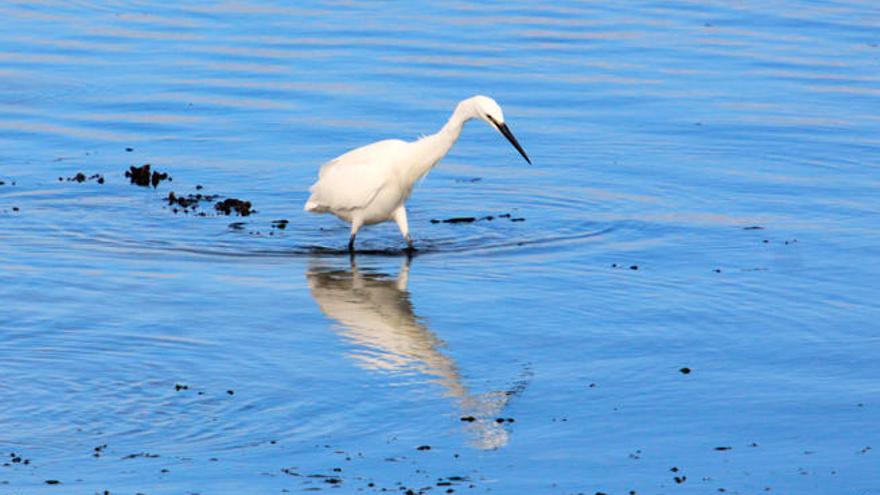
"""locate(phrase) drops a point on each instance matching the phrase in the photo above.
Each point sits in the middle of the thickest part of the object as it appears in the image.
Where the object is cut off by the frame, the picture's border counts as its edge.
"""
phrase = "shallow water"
(704, 196)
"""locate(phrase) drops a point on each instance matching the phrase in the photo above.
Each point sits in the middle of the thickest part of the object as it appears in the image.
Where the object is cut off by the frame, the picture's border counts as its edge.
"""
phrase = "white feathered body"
(368, 184)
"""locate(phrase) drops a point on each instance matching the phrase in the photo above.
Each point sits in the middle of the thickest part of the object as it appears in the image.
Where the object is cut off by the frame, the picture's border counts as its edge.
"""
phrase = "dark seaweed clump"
(189, 202)
(487, 218)
(81, 177)
(229, 205)
(16, 459)
(455, 220)
(143, 176)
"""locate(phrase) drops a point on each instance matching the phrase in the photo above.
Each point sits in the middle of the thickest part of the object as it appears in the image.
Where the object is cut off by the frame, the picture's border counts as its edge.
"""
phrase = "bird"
(371, 184)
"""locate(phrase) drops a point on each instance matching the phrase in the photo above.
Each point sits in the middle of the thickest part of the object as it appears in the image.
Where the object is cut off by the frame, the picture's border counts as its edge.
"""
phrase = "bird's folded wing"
(347, 186)
(353, 179)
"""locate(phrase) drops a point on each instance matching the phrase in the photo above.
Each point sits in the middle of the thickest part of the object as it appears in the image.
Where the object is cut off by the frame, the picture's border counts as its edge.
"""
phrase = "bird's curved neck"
(463, 112)
(433, 148)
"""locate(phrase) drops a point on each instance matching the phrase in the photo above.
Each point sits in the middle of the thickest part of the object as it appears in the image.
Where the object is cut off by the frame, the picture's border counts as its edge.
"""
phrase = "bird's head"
(489, 111)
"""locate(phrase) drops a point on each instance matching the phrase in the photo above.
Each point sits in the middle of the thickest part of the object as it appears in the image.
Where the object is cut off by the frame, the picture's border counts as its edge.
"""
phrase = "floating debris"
(145, 455)
(487, 218)
(227, 206)
(143, 176)
(81, 177)
(455, 220)
(99, 450)
(190, 201)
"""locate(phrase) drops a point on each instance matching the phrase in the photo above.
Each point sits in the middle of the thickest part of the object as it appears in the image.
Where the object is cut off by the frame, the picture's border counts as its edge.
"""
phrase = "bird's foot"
(410, 249)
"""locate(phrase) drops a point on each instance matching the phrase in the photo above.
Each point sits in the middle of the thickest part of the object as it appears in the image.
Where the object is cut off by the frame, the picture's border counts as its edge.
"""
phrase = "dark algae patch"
(188, 202)
(191, 202)
(143, 176)
(16, 459)
(487, 218)
(623, 265)
(455, 220)
(81, 177)
(97, 451)
(144, 455)
(230, 205)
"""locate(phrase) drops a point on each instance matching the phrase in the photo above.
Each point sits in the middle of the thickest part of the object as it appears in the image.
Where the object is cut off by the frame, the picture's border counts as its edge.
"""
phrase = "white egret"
(370, 184)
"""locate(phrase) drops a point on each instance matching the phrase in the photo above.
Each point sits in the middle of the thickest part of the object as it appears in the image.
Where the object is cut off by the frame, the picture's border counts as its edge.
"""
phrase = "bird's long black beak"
(503, 129)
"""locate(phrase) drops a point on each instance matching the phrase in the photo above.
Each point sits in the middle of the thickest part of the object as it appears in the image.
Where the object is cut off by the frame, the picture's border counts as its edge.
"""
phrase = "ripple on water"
(119, 217)
(657, 132)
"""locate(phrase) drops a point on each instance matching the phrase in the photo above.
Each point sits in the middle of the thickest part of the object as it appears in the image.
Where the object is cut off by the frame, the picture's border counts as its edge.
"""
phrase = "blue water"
(728, 151)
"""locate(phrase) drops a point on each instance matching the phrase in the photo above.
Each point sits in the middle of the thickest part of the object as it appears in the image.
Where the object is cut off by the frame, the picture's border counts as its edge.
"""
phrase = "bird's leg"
(355, 226)
(399, 216)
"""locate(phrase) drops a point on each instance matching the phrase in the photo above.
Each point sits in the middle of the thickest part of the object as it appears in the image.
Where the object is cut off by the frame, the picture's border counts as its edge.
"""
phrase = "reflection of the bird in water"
(376, 315)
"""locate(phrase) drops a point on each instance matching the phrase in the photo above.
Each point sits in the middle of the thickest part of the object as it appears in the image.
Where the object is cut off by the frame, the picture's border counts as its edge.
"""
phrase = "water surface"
(703, 196)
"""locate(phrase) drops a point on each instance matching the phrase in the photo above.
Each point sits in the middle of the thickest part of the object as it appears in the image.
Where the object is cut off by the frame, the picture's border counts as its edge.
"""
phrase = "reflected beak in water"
(503, 129)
